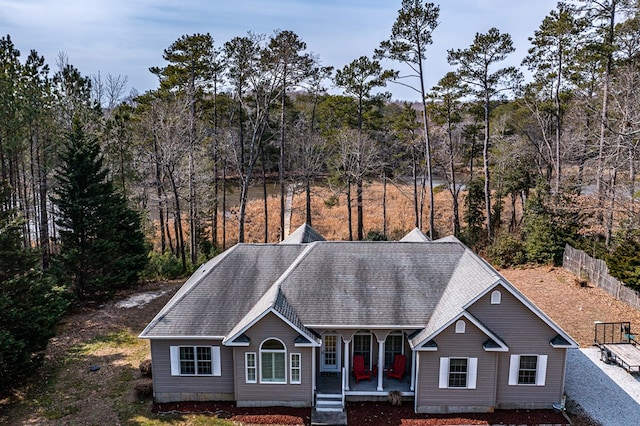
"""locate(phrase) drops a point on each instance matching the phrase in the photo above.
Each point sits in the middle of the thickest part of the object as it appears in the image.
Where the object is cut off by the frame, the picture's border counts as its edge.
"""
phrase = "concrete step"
(329, 403)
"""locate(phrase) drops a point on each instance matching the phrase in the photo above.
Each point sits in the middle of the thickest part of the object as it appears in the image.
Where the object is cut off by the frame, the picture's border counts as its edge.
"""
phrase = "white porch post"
(413, 370)
(346, 363)
(313, 373)
(380, 363)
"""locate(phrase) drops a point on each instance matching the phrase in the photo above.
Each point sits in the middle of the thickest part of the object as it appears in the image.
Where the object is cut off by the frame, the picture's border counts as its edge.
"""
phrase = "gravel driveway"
(607, 393)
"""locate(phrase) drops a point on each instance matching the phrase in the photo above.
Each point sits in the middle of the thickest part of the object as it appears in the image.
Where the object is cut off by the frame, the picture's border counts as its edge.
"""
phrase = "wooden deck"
(627, 355)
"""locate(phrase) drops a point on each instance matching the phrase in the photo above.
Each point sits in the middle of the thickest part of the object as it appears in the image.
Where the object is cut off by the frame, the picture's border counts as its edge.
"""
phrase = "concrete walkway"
(328, 418)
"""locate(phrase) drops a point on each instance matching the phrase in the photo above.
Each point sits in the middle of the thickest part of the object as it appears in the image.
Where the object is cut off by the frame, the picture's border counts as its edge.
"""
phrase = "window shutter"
(541, 375)
(514, 367)
(473, 373)
(215, 359)
(444, 373)
(174, 354)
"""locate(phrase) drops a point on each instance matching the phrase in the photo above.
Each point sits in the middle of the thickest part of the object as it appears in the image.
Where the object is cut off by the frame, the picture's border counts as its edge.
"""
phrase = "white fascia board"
(474, 321)
(181, 337)
(312, 339)
(569, 346)
(236, 344)
(229, 341)
(366, 327)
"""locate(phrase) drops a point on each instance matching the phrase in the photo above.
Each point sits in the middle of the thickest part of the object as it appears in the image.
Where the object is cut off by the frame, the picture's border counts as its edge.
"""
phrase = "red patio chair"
(397, 371)
(359, 369)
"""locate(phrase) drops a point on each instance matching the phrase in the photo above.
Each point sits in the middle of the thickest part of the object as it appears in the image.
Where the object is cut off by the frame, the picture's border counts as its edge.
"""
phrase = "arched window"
(496, 297)
(273, 355)
(460, 326)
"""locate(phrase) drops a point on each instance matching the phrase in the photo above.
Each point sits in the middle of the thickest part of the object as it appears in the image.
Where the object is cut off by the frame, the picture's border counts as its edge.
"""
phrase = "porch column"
(413, 370)
(346, 364)
(313, 373)
(380, 363)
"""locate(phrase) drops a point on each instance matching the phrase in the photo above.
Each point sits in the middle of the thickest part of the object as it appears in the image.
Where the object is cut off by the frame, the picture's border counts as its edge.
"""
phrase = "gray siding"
(262, 394)
(525, 334)
(168, 388)
(431, 399)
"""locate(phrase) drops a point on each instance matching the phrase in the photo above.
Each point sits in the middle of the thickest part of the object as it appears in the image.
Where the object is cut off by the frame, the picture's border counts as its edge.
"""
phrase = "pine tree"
(29, 304)
(102, 244)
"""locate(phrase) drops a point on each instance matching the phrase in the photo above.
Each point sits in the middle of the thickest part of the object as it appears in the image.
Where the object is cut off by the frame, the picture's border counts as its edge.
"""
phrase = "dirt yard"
(574, 308)
(67, 392)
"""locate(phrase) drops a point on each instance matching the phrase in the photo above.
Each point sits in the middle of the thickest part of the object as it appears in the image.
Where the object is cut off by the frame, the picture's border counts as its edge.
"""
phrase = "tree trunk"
(265, 198)
(349, 215)
(178, 223)
(360, 224)
(414, 172)
(485, 161)
(159, 193)
(45, 245)
(308, 200)
(384, 203)
(224, 206)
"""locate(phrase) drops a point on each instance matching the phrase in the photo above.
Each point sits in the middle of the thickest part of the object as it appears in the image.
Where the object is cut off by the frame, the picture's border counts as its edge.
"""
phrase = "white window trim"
(273, 351)
(496, 297)
(541, 370)
(460, 326)
(472, 373)
(247, 367)
(298, 368)
(174, 355)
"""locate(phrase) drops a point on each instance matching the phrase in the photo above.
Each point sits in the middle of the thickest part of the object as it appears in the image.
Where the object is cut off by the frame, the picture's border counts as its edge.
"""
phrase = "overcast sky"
(126, 37)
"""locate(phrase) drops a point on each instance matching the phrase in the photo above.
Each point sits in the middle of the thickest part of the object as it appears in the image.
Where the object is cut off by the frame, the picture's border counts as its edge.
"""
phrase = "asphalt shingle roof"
(224, 293)
(413, 284)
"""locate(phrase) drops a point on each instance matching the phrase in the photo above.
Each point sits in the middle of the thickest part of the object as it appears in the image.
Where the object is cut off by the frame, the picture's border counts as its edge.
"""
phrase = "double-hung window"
(458, 369)
(251, 375)
(195, 360)
(295, 369)
(458, 373)
(528, 370)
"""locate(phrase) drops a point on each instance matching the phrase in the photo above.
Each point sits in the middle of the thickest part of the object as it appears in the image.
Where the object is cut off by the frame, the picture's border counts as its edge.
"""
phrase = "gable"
(516, 316)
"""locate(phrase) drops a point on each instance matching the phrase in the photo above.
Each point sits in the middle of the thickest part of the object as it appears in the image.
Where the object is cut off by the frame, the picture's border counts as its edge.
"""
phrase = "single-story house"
(310, 322)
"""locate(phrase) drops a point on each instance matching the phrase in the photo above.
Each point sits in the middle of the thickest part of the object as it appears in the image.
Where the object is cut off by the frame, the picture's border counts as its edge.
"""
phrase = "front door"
(330, 353)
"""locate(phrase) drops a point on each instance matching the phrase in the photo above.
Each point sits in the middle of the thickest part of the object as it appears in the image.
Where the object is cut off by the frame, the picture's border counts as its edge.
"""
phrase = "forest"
(100, 187)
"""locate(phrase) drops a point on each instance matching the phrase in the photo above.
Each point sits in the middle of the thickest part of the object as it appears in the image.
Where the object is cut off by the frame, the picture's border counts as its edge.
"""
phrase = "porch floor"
(331, 382)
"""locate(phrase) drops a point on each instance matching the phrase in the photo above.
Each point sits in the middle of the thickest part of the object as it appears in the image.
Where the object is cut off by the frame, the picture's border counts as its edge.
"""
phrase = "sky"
(126, 37)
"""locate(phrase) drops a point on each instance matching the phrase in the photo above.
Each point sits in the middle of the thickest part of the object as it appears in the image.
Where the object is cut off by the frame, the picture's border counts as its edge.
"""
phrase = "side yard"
(67, 391)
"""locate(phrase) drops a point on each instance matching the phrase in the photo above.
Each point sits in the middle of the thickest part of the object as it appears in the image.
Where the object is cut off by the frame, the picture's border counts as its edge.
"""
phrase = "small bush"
(507, 250)
(145, 368)
(144, 388)
(332, 201)
(375, 236)
(395, 398)
(163, 265)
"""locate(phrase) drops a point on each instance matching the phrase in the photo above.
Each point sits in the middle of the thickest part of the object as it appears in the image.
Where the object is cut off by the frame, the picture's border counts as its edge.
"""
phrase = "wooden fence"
(595, 271)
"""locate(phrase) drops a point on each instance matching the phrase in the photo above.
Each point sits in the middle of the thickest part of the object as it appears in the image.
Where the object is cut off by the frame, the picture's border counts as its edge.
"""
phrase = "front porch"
(331, 383)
